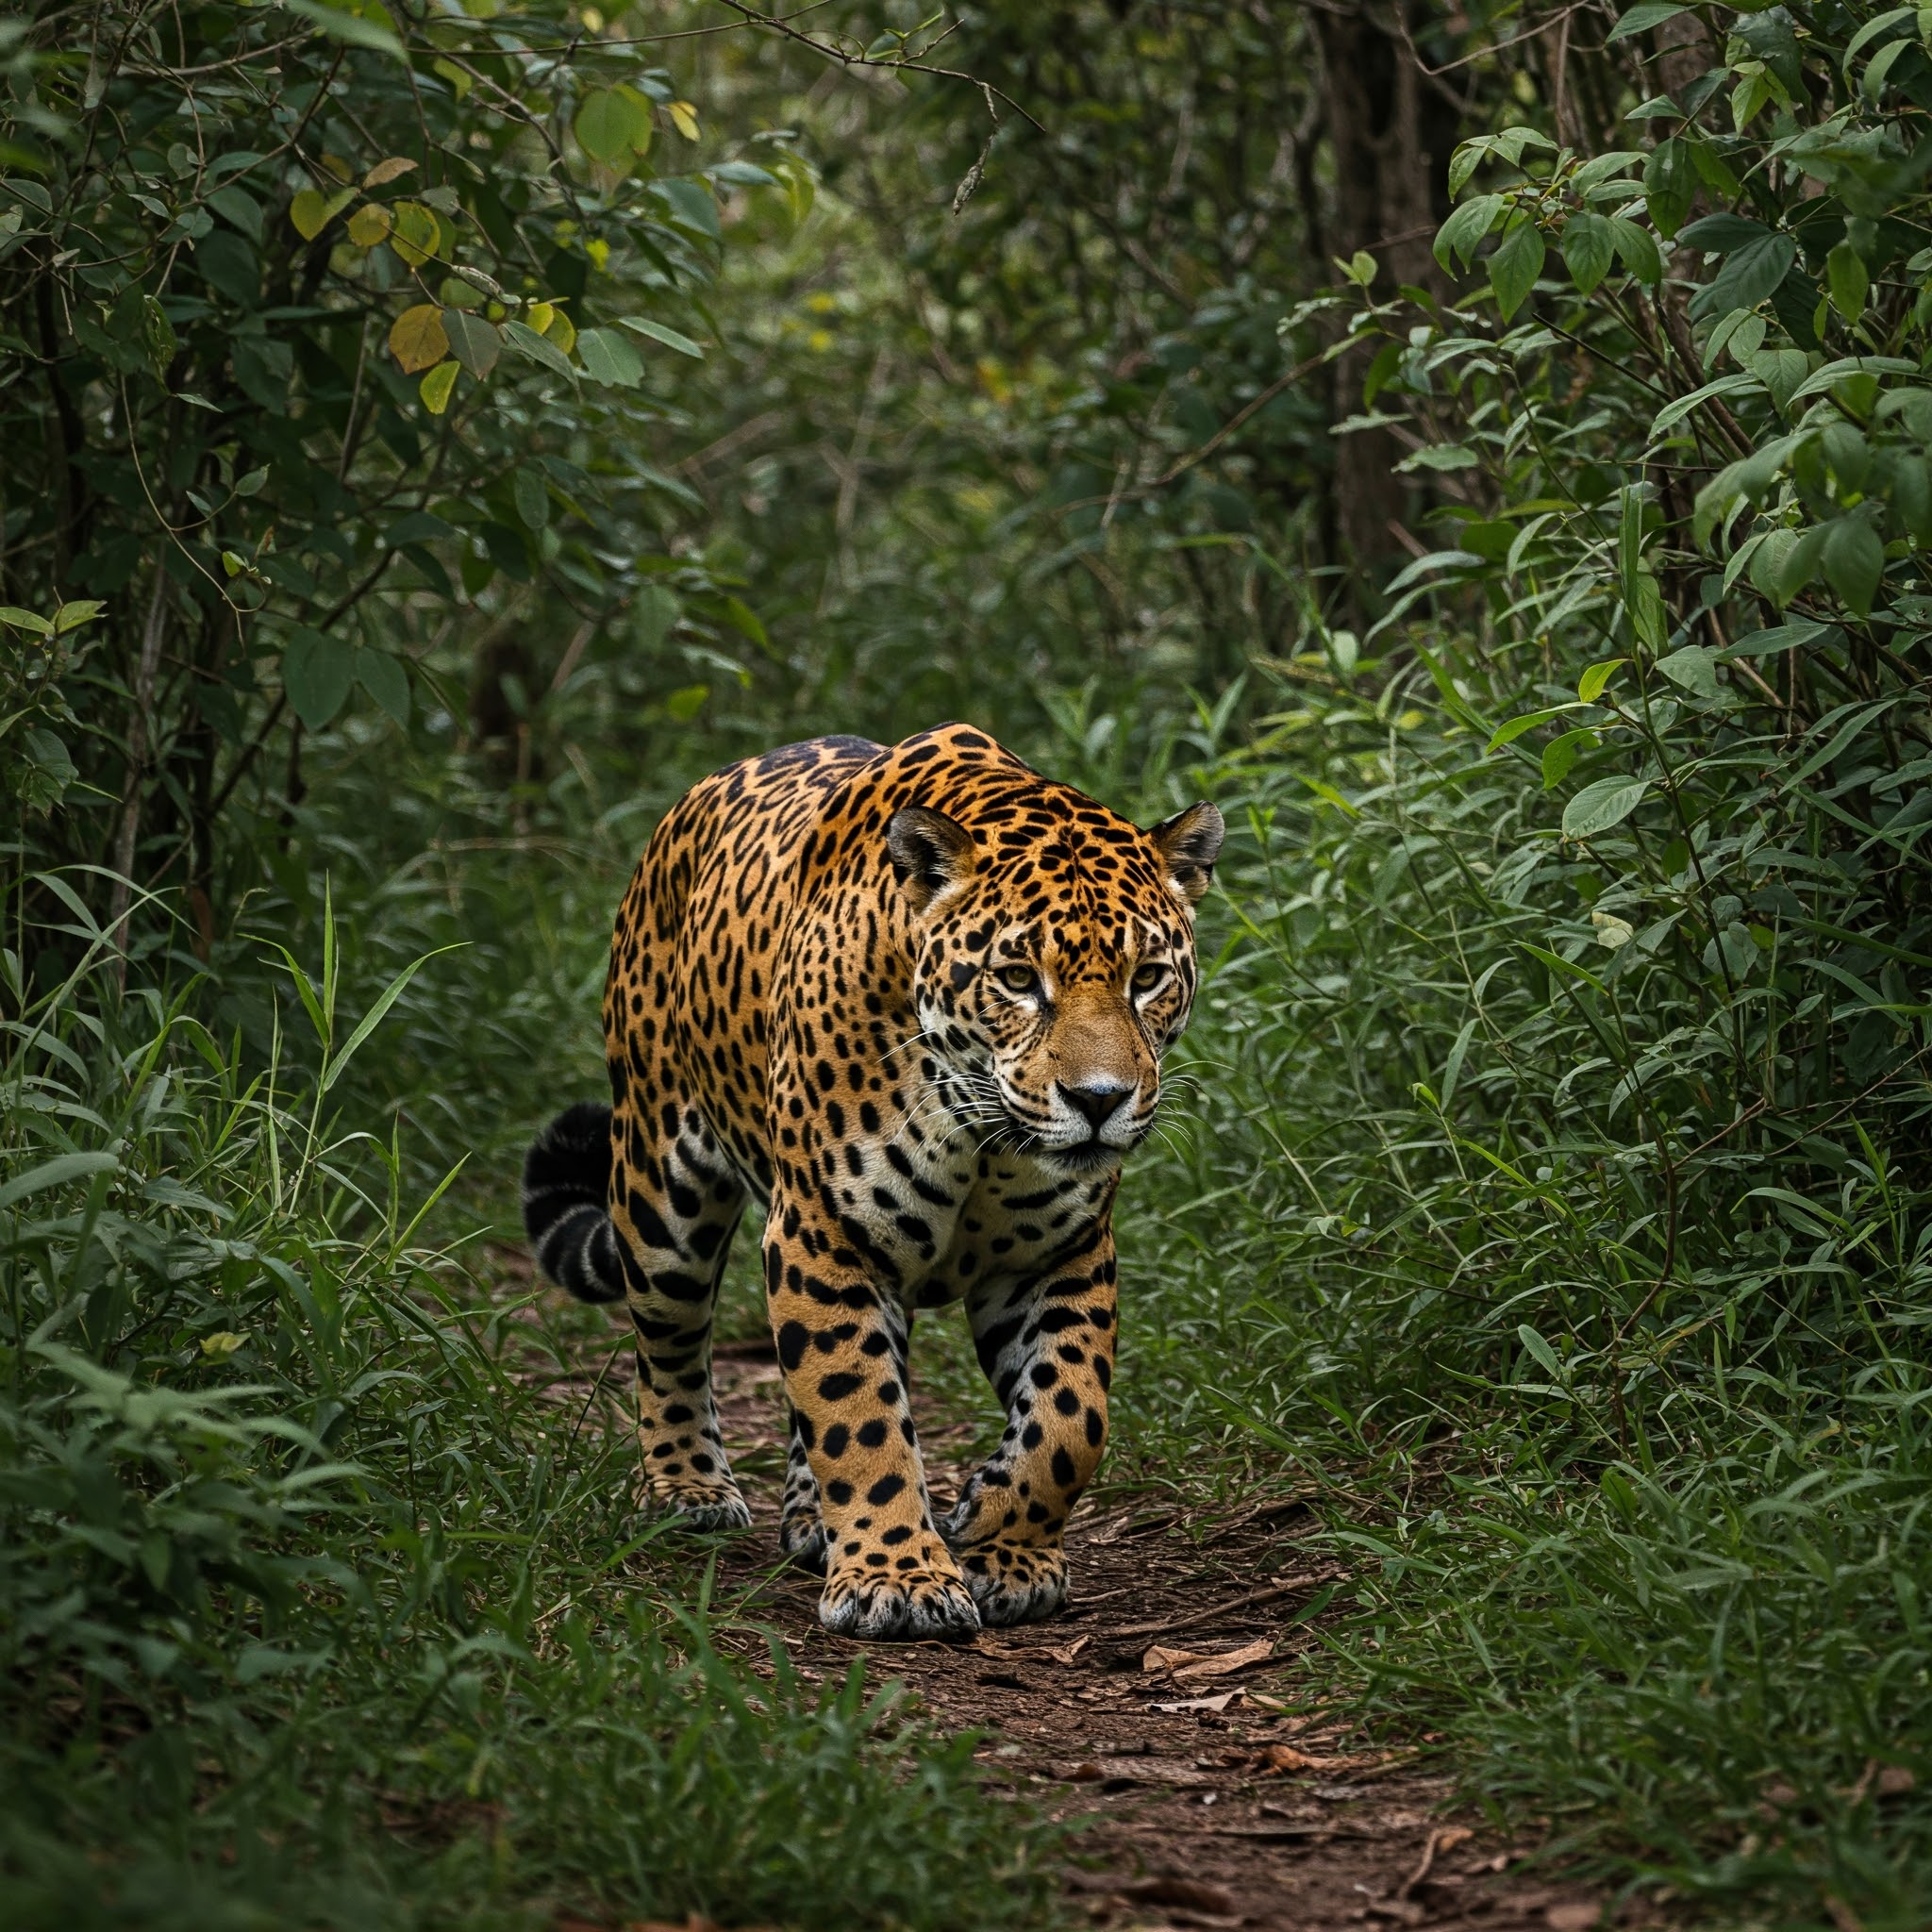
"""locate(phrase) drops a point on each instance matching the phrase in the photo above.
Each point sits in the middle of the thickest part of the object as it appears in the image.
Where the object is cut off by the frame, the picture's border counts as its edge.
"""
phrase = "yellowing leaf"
(684, 117)
(369, 225)
(337, 167)
(311, 213)
(418, 338)
(437, 386)
(562, 331)
(415, 237)
(308, 212)
(540, 315)
(388, 171)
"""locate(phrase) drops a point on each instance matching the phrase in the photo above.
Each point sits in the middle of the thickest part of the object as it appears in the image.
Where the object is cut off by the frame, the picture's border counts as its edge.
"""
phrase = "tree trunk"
(1391, 129)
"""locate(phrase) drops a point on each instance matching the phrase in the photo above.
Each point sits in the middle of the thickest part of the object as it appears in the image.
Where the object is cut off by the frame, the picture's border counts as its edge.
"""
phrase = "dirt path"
(1214, 1803)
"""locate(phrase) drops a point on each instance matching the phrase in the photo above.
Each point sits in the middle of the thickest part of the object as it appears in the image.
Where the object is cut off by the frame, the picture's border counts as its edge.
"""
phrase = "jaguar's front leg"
(842, 1346)
(1046, 1345)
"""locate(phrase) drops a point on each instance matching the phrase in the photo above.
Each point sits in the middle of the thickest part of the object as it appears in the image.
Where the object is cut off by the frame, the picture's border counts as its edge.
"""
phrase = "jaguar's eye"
(1147, 979)
(1019, 979)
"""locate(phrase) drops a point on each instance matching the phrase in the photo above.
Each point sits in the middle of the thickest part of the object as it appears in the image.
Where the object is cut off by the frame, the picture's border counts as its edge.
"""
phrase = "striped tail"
(566, 1188)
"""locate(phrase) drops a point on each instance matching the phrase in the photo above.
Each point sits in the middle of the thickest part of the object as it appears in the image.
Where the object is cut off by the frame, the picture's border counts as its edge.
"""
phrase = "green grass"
(317, 1609)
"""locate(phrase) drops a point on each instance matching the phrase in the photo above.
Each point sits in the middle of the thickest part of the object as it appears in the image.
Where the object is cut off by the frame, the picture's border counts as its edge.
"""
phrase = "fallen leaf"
(1206, 1663)
(1073, 1650)
(1218, 1703)
(1573, 1918)
(1895, 1780)
(1190, 1894)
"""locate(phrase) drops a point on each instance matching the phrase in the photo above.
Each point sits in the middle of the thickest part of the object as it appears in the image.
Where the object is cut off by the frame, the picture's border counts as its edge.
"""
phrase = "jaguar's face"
(1056, 968)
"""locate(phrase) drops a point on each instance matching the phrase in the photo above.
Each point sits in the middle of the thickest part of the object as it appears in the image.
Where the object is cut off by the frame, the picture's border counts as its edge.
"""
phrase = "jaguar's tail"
(566, 1187)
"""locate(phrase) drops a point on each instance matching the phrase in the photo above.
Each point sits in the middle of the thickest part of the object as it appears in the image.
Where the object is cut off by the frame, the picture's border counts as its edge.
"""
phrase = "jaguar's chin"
(1084, 1157)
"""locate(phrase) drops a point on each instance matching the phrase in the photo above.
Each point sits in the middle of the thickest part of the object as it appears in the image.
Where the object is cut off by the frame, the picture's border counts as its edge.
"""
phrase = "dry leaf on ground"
(1216, 1703)
(1206, 1663)
(1067, 1654)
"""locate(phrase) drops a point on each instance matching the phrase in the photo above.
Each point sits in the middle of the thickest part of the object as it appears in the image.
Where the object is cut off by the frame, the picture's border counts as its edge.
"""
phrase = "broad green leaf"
(1463, 232)
(317, 672)
(1854, 561)
(526, 342)
(1589, 687)
(1637, 250)
(1588, 250)
(1602, 803)
(1544, 1355)
(1561, 754)
(1516, 264)
(686, 703)
(1510, 732)
(609, 358)
(532, 496)
(473, 342)
(613, 124)
(71, 616)
(350, 29)
(1669, 184)
(1693, 667)
(1645, 15)
(1848, 279)
(659, 332)
(385, 679)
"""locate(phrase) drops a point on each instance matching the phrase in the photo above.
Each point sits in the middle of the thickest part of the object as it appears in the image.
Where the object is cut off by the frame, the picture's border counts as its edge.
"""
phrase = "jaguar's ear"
(930, 852)
(1189, 843)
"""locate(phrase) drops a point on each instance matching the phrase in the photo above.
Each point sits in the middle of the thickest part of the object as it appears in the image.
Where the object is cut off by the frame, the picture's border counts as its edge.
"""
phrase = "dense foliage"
(1545, 1190)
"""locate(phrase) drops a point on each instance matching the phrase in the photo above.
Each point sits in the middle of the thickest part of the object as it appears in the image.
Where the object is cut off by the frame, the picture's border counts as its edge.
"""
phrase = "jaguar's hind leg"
(674, 1199)
(801, 1528)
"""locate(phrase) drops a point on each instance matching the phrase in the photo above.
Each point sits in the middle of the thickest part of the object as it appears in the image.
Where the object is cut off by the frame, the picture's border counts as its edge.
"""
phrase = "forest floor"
(1166, 1713)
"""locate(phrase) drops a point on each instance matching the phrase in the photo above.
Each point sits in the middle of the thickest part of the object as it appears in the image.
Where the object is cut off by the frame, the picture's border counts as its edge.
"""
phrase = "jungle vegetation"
(1487, 448)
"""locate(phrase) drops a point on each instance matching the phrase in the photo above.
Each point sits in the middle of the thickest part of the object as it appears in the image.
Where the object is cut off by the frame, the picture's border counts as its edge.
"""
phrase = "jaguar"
(912, 1000)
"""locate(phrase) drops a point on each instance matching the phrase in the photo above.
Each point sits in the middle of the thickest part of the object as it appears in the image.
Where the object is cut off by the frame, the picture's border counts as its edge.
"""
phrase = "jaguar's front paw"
(899, 1597)
(1014, 1582)
(697, 1506)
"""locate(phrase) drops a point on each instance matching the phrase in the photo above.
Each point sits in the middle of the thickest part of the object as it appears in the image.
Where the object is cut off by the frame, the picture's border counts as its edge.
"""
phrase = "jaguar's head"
(1055, 964)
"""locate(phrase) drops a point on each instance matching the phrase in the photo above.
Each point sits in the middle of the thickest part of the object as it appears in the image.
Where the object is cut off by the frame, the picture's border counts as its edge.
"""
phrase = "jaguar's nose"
(1096, 1104)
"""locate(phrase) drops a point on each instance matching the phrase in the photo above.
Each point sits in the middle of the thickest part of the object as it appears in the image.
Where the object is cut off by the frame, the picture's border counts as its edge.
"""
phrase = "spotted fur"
(914, 999)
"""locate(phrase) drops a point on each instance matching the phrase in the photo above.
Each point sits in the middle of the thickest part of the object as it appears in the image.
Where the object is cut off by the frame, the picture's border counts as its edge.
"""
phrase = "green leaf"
(612, 126)
(1854, 561)
(1605, 803)
(71, 616)
(660, 333)
(373, 1018)
(1510, 733)
(1544, 1355)
(1848, 279)
(54, 1173)
(652, 613)
(1463, 232)
(317, 672)
(437, 386)
(1589, 687)
(1693, 667)
(686, 703)
(1637, 250)
(609, 358)
(473, 342)
(1644, 16)
(385, 679)
(1646, 608)
(1669, 184)
(1748, 276)
(526, 342)
(1516, 264)
(532, 495)
(1588, 250)
(1561, 754)
(348, 28)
